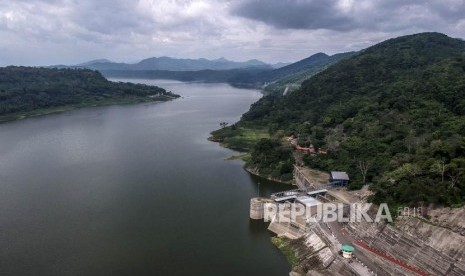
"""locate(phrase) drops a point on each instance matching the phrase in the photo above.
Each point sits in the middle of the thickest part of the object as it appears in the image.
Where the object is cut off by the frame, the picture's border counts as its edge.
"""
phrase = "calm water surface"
(132, 190)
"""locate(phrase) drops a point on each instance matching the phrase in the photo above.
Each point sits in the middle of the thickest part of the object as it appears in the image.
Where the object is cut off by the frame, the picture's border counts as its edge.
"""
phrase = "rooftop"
(308, 201)
(339, 175)
(348, 248)
(284, 198)
(322, 191)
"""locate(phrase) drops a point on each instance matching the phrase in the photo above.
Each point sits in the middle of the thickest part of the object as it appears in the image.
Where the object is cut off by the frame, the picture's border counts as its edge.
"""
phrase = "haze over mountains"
(251, 73)
(175, 64)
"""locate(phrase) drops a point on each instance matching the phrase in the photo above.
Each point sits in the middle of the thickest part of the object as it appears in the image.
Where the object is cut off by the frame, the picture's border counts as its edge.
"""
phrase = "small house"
(340, 179)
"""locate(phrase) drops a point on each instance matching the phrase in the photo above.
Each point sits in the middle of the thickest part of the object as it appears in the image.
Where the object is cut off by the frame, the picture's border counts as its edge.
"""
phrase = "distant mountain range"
(252, 73)
(95, 61)
(308, 66)
(174, 64)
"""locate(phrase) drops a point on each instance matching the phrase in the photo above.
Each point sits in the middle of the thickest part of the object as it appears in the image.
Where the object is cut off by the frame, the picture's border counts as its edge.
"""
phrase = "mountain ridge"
(248, 77)
(290, 77)
(171, 64)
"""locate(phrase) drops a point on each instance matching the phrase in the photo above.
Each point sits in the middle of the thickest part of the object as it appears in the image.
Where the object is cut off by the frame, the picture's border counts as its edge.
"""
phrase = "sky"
(46, 32)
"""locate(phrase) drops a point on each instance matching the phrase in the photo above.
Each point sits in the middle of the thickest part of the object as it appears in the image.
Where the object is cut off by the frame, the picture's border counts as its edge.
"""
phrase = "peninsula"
(31, 91)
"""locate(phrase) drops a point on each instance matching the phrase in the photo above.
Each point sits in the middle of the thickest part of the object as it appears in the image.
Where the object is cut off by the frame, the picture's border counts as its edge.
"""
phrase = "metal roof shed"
(339, 178)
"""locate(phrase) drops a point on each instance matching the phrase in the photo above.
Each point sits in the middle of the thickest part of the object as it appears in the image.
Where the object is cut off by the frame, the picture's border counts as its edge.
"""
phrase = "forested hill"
(290, 77)
(392, 115)
(319, 60)
(26, 91)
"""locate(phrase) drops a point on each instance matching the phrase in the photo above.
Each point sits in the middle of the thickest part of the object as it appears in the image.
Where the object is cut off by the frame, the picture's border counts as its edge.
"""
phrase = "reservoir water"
(132, 190)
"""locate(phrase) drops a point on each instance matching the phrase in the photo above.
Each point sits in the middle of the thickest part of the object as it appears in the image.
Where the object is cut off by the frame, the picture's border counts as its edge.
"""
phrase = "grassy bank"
(286, 249)
(240, 139)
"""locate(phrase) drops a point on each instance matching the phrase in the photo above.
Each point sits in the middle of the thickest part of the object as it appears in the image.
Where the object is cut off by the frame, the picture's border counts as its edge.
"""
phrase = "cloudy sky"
(44, 32)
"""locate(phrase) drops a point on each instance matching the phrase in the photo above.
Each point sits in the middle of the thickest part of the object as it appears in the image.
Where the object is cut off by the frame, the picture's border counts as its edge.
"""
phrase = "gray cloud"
(107, 16)
(43, 32)
(344, 15)
(294, 14)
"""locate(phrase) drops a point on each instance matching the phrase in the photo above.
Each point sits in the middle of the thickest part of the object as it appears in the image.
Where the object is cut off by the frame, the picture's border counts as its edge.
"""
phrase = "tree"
(363, 166)
(224, 124)
(439, 167)
(456, 171)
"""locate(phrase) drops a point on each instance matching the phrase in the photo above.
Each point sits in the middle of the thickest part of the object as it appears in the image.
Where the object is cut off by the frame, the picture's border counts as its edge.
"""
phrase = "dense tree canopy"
(24, 89)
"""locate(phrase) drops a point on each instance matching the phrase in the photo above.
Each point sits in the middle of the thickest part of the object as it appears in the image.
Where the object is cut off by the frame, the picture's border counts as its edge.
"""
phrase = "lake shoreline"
(256, 173)
(243, 156)
(65, 108)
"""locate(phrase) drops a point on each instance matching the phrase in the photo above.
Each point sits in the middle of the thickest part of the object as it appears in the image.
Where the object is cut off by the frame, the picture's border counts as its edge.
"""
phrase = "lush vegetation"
(272, 159)
(239, 138)
(265, 154)
(393, 115)
(27, 91)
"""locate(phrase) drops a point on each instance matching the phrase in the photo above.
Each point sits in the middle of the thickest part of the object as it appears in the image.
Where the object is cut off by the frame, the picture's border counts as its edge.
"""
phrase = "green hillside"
(292, 76)
(29, 91)
(392, 115)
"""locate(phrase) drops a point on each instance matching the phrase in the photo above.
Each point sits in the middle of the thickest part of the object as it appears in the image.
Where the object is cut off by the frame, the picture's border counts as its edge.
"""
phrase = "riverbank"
(283, 245)
(257, 173)
(245, 156)
(244, 139)
(59, 109)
